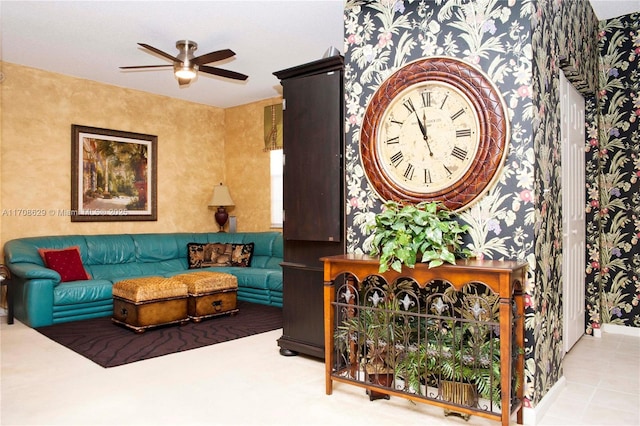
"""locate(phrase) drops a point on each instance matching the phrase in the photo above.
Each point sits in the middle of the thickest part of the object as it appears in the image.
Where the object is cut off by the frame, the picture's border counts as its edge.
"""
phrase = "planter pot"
(381, 376)
(458, 393)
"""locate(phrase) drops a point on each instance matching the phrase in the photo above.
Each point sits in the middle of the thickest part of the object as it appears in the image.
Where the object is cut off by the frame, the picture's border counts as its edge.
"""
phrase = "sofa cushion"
(274, 281)
(165, 268)
(256, 278)
(26, 249)
(263, 242)
(226, 237)
(82, 292)
(110, 249)
(115, 272)
(277, 254)
(66, 262)
(156, 247)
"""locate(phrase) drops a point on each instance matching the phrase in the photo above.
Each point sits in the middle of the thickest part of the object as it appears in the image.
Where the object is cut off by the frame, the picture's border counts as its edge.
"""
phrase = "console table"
(345, 298)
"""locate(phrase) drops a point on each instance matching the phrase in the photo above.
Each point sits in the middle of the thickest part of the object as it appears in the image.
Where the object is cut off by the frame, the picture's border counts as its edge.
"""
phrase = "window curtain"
(273, 127)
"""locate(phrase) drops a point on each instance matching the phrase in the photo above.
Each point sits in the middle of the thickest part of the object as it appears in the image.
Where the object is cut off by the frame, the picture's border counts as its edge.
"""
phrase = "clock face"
(428, 137)
(435, 130)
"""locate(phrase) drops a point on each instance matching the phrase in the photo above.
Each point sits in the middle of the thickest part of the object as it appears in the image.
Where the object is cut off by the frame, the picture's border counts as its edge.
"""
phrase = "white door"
(573, 212)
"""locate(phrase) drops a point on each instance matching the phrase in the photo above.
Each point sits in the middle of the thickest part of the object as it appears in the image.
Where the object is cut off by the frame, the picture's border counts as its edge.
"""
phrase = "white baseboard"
(621, 329)
(531, 416)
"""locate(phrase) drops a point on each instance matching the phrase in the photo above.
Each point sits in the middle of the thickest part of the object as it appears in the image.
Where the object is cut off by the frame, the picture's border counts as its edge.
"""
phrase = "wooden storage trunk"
(210, 294)
(142, 303)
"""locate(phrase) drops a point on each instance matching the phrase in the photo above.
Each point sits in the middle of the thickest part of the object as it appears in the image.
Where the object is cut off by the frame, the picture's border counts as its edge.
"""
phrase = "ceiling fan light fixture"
(185, 71)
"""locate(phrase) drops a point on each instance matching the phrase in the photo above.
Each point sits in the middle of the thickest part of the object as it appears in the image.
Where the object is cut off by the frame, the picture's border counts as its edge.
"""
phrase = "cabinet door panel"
(303, 318)
(313, 155)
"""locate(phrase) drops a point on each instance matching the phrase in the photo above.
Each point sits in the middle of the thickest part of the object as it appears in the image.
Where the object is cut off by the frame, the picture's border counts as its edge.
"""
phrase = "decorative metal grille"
(432, 342)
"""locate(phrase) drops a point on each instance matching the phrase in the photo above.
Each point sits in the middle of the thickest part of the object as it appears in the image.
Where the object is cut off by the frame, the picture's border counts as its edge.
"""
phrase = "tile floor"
(246, 382)
(602, 383)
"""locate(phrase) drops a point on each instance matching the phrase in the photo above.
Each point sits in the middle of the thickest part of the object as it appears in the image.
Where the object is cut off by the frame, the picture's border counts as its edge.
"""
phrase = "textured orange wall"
(37, 111)
(248, 165)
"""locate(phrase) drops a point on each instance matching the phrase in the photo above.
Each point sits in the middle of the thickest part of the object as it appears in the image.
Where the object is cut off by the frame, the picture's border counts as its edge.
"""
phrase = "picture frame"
(113, 175)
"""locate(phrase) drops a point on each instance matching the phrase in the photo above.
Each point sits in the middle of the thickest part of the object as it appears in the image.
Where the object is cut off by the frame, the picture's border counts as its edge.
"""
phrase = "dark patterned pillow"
(242, 254)
(204, 255)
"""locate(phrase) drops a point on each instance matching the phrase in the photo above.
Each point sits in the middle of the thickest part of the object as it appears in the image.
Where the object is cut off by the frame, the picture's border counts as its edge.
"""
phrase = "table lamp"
(221, 199)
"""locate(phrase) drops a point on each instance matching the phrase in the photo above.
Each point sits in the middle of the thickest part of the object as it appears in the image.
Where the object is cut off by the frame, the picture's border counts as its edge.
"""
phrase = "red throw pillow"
(66, 262)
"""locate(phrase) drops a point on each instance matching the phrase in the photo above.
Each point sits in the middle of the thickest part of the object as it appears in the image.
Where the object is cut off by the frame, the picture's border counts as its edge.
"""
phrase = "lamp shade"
(221, 197)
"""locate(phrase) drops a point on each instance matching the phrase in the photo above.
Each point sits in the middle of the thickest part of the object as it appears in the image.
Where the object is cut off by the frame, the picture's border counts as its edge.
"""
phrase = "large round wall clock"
(435, 130)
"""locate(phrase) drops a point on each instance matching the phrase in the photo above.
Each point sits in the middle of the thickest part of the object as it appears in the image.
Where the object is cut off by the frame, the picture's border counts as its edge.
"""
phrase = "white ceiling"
(92, 39)
(607, 9)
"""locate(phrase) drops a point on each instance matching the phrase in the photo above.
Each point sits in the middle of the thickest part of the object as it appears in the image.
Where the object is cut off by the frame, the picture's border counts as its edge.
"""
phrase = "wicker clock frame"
(489, 107)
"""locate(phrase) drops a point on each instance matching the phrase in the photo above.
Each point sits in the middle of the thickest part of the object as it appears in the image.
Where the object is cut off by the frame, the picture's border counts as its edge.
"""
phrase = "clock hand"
(420, 123)
(423, 127)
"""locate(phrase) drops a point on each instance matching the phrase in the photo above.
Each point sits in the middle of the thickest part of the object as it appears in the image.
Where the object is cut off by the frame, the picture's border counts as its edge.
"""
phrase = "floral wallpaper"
(577, 54)
(520, 217)
(613, 289)
(544, 317)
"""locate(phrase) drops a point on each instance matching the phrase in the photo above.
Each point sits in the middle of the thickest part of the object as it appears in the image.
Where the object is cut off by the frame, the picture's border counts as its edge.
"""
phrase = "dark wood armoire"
(314, 220)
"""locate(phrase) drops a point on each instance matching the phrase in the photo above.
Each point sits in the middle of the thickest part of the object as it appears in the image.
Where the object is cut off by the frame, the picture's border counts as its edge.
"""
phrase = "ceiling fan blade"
(213, 57)
(145, 66)
(159, 52)
(223, 73)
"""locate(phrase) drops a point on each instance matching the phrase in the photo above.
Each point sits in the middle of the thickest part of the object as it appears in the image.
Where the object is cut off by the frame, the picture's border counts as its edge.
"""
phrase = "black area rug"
(111, 345)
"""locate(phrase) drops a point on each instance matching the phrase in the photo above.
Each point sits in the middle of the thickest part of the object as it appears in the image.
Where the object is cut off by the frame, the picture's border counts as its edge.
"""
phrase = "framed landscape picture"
(113, 175)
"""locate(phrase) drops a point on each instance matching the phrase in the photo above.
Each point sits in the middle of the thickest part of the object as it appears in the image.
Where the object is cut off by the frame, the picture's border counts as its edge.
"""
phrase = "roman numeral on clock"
(459, 153)
(462, 133)
(427, 176)
(426, 98)
(408, 173)
(409, 105)
(444, 100)
(393, 140)
(396, 158)
(457, 114)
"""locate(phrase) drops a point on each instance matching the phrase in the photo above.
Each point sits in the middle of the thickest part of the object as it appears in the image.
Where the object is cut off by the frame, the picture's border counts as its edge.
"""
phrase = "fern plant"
(373, 333)
(475, 362)
(454, 351)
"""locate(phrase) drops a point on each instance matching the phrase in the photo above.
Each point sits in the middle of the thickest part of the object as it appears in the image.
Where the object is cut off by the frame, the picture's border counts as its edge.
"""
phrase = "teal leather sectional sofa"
(40, 298)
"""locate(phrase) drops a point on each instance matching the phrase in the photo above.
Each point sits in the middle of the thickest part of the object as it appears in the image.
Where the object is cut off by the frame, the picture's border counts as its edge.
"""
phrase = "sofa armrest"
(34, 293)
(29, 271)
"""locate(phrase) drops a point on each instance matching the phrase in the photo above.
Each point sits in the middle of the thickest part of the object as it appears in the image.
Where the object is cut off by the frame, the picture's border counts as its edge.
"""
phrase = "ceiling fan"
(186, 65)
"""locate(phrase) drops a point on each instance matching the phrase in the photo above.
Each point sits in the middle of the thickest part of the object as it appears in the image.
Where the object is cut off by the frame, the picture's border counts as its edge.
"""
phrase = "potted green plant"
(473, 361)
(402, 232)
(460, 353)
(464, 367)
(369, 336)
(412, 365)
